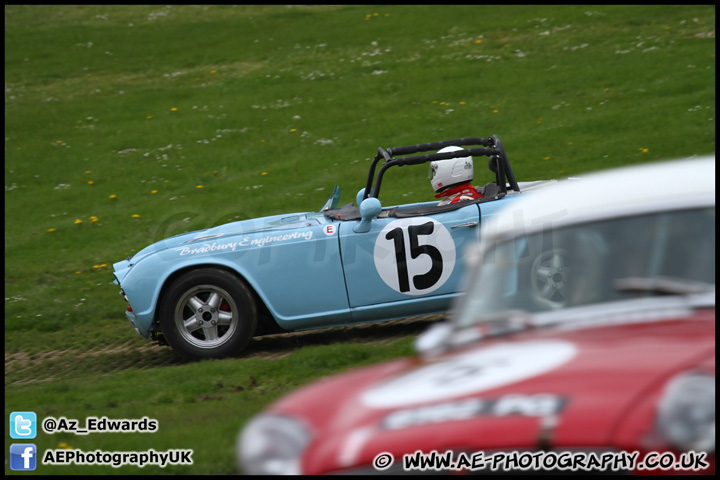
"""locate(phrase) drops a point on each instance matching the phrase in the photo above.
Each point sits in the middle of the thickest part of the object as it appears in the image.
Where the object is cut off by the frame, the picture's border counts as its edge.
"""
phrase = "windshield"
(604, 261)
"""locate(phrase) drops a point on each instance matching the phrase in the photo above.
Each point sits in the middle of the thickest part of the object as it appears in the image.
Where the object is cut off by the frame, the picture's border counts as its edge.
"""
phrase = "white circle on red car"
(475, 371)
(414, 256)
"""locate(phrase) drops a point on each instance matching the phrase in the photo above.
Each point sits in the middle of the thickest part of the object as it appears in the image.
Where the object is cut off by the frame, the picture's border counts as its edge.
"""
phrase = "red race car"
(585, 342)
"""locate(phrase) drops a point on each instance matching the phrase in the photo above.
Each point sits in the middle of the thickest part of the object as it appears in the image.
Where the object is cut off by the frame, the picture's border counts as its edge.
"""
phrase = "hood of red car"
(560, 386)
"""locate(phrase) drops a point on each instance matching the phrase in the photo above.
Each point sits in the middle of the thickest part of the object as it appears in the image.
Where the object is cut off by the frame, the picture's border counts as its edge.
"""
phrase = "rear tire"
(549, 278)
(207, 313)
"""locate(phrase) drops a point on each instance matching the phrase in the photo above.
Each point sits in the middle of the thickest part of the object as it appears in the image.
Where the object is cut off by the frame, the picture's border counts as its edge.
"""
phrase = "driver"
(451, 178)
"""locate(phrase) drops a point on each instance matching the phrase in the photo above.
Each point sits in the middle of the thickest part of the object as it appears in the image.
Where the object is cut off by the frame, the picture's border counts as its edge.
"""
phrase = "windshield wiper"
(444, 335)
(662, 286)
(493, 325)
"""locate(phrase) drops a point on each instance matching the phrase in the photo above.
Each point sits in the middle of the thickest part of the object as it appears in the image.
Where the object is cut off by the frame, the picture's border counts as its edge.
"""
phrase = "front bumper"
(143, 332)
(121, 270)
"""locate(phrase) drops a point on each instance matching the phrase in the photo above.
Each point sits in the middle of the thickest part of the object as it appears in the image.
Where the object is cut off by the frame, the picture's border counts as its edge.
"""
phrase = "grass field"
(127, 124)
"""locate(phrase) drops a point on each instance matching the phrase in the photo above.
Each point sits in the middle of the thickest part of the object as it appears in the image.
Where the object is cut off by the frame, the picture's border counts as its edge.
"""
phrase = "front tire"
(207, 313)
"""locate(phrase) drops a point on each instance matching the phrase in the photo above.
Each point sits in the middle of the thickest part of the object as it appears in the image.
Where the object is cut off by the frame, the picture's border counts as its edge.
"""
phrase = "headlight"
(686, 413)
(271, 445)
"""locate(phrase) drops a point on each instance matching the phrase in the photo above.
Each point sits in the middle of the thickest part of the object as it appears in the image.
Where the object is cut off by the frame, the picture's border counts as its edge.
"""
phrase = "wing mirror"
(370, 208)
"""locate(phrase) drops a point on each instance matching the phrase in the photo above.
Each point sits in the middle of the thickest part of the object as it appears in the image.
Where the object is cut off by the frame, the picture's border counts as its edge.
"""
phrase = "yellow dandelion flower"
(113, 197)
(463, 103)
(478, 41)
(213, 71)
(495, 111)
(199, 186)
(153, 192)
(90, 182)
(103, 265)
(64, 445)
(78, 221)
(539, 121)
(93, 219)
(149, 117)
(87, 171)
(135, 215)
(546, 158)
(263, 173)
(293, 130)
(644, 150)
(51, 229)
(173, 109)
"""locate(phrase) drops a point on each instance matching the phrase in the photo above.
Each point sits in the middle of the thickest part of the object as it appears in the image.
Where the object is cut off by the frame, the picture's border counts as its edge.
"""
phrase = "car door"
(401, 261)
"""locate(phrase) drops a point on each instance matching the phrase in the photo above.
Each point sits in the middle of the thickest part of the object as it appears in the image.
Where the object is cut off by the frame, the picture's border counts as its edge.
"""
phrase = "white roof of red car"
(612, 193)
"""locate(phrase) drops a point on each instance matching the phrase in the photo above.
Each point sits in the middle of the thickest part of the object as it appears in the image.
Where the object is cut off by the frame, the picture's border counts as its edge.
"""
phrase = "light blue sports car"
(207, 293)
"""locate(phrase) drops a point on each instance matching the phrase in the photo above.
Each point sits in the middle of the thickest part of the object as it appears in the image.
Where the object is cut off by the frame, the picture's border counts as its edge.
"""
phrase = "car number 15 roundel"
(414, 256)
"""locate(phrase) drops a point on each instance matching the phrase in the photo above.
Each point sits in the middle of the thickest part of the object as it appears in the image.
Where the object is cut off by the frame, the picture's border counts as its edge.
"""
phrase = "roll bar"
(491, 147)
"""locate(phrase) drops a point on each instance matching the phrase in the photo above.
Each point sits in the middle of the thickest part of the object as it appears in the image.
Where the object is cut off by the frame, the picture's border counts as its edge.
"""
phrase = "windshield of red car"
(591, 263)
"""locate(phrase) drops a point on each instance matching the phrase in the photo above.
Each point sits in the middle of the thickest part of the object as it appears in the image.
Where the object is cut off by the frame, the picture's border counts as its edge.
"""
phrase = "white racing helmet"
(448, 173)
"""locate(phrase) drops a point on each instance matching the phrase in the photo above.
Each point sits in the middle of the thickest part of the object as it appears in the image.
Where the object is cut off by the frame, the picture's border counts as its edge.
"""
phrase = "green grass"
(198, 406)
(266, 108)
